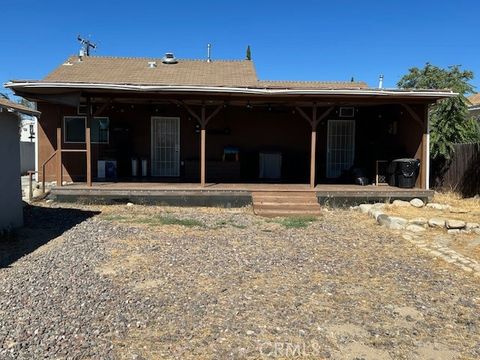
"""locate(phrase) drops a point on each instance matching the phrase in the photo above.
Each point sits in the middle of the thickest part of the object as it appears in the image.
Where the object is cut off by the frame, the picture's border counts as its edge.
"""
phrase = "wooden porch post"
(59, 156)
(425, 161)
(88, 142)
(314, 121)
(313, 148)
(203, 126)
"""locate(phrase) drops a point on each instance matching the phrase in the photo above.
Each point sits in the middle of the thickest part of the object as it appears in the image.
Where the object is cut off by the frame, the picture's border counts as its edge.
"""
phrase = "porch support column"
(314, 121)
(423, 151)
(313, 148)
(203, 128)
(59, 155)
(88, 142)
(203, 120)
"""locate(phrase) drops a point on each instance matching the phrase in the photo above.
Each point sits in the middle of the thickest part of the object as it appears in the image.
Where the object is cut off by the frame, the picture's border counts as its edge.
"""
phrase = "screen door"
(165, 146)
(340, 146)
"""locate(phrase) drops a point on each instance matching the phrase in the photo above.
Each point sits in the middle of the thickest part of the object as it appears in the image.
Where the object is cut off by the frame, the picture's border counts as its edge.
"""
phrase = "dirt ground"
(232, 285)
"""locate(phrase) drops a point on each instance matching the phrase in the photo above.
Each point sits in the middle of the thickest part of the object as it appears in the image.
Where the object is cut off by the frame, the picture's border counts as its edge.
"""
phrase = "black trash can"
(403, 173)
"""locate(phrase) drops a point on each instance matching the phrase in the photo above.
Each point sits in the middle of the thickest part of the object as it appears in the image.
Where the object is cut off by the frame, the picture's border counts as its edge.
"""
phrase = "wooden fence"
(462, 173)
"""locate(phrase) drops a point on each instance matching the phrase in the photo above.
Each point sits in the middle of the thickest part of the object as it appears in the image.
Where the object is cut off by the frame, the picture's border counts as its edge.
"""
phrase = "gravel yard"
(134, 282)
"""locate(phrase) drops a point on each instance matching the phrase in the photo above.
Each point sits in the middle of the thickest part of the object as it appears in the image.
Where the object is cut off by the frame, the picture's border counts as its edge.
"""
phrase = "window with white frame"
(74, 129)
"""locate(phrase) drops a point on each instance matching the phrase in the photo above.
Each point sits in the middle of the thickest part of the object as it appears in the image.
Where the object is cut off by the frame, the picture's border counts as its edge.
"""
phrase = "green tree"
(450, 122)
(249, 53)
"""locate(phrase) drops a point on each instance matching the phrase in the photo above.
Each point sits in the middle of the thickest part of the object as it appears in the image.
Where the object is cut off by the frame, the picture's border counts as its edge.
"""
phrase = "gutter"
(231, 90)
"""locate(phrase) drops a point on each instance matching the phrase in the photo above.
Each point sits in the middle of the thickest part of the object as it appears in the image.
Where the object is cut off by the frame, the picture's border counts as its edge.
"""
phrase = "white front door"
(340, 146)
(165, 146)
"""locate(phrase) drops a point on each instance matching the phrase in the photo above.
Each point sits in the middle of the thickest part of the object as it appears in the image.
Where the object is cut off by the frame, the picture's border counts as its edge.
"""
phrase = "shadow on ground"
(42, 224)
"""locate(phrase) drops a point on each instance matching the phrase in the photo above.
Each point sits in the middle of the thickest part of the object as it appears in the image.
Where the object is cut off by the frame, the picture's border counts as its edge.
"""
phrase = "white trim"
(233, 90)
(85, 122)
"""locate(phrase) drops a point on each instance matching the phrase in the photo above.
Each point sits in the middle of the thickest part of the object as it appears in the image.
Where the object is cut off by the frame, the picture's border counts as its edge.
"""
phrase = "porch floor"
(235, 194)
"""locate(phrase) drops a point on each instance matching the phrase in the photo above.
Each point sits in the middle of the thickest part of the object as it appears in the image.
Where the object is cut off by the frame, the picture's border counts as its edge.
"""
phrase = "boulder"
(418, 203)
(129, 204)
(419, 221)
(365, 208)
(37, 193)
(459, 210)
(455, 224)
(415, 228)
(383, 219)
(375, 213)
(400, 203)
(436, 223)
(453, 231)
(437, 206)
(398, 220)
(472, 225)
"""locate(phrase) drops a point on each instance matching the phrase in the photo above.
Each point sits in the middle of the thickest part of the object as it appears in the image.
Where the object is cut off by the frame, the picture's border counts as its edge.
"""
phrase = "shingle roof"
(474, 99)
(7, 104)
(286, 84)
(136, 71)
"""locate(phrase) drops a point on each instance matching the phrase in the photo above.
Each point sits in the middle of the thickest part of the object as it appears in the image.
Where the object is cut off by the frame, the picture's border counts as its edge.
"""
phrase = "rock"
(49, 201)
(417, 203)
(459, 210)
(375, 213)
(453, 231)
(37, 193)
(365, 208)
(477, 231)
(419, 221)
(437, 206)
(383, 219)
(436, 223)
(415, 228)
(129, 204)
(455, 224)
(250, 332)
(400, 203)
(398, 220)
(471, 226)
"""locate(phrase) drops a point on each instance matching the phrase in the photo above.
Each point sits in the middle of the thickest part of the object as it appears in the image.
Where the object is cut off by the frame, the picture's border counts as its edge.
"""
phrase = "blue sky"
(290, 40)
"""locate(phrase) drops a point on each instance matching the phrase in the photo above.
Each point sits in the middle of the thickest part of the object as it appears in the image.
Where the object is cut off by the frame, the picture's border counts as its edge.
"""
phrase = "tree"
(249, 53)
(450, 122)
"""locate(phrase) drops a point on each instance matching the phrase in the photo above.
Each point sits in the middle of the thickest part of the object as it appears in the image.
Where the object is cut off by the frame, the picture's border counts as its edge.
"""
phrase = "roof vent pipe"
(209, 52)
(380, 81)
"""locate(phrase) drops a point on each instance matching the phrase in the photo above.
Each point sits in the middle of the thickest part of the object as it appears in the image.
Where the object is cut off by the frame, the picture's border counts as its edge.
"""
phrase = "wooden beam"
(323, 116)
(213, 114)
(103, 107)
(305, 116)
(59, 156)
(88, 142)
(425, 161)
(413, 114)
(191, 112)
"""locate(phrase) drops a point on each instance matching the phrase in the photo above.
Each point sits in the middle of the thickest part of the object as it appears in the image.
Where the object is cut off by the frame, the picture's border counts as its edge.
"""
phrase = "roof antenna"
(209, 52)
(86, 46)
(380, 81)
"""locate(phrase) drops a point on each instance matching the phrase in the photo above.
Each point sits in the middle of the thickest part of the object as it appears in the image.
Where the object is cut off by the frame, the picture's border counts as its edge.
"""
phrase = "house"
(11, 213)
(115, 125)
(474, 108)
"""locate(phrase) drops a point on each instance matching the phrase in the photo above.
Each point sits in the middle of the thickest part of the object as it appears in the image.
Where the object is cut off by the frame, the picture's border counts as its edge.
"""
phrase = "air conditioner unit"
(347, 111)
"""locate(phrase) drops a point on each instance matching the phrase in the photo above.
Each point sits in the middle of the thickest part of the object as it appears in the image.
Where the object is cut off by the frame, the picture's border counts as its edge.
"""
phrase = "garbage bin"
(403, 173)
(134, 166)
(144, 167)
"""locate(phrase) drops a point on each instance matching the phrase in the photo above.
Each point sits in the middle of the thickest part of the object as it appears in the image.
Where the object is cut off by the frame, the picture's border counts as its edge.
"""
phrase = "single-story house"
(173, 124)
(474, 107)
(11, 212)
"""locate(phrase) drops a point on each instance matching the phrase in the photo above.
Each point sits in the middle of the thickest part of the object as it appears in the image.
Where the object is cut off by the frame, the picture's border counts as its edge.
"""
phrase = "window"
(74, 129)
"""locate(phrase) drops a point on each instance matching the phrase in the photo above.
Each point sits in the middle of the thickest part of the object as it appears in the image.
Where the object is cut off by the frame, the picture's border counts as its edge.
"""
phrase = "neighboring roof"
(474, 100)
(136, 71)
(11, 106)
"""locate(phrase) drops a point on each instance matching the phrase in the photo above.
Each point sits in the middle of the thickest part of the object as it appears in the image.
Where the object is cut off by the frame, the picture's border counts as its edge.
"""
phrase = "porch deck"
(238, 194)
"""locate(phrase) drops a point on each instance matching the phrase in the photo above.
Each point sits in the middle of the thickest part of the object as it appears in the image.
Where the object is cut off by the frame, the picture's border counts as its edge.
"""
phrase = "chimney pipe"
(209, 52)
(380, 81)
